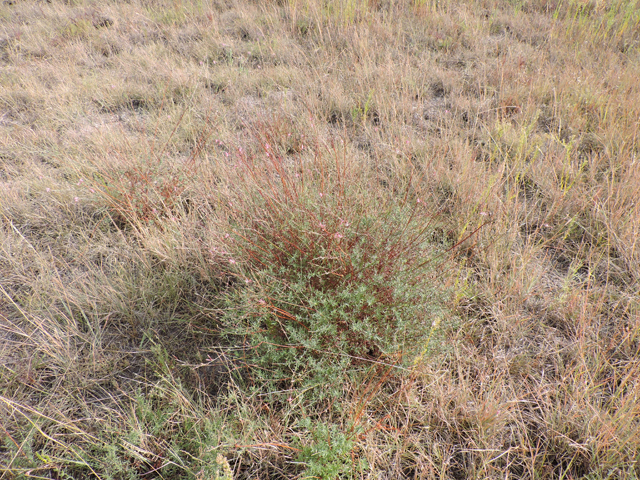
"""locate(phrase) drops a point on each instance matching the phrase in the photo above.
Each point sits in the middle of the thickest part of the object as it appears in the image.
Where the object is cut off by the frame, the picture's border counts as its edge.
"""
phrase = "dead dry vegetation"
(382, 239)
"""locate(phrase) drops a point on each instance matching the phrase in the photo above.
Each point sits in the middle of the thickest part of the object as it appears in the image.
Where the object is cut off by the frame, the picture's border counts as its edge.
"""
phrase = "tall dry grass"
(140, 211)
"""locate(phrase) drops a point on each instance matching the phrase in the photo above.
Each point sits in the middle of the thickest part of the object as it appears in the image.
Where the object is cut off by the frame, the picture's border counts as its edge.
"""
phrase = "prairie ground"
(381, 239)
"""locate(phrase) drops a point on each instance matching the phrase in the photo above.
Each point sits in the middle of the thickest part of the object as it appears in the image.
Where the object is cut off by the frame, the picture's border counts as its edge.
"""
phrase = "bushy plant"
(337, 275)
(143, 193)
(148, 188)
(329, 453)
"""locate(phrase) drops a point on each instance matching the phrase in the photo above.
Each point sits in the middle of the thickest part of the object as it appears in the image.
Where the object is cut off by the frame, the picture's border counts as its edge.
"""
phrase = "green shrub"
(337, 276)
(329, 453)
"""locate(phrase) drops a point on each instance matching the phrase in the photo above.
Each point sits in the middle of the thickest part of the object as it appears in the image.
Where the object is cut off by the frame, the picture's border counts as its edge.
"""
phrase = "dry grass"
(126, 129)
